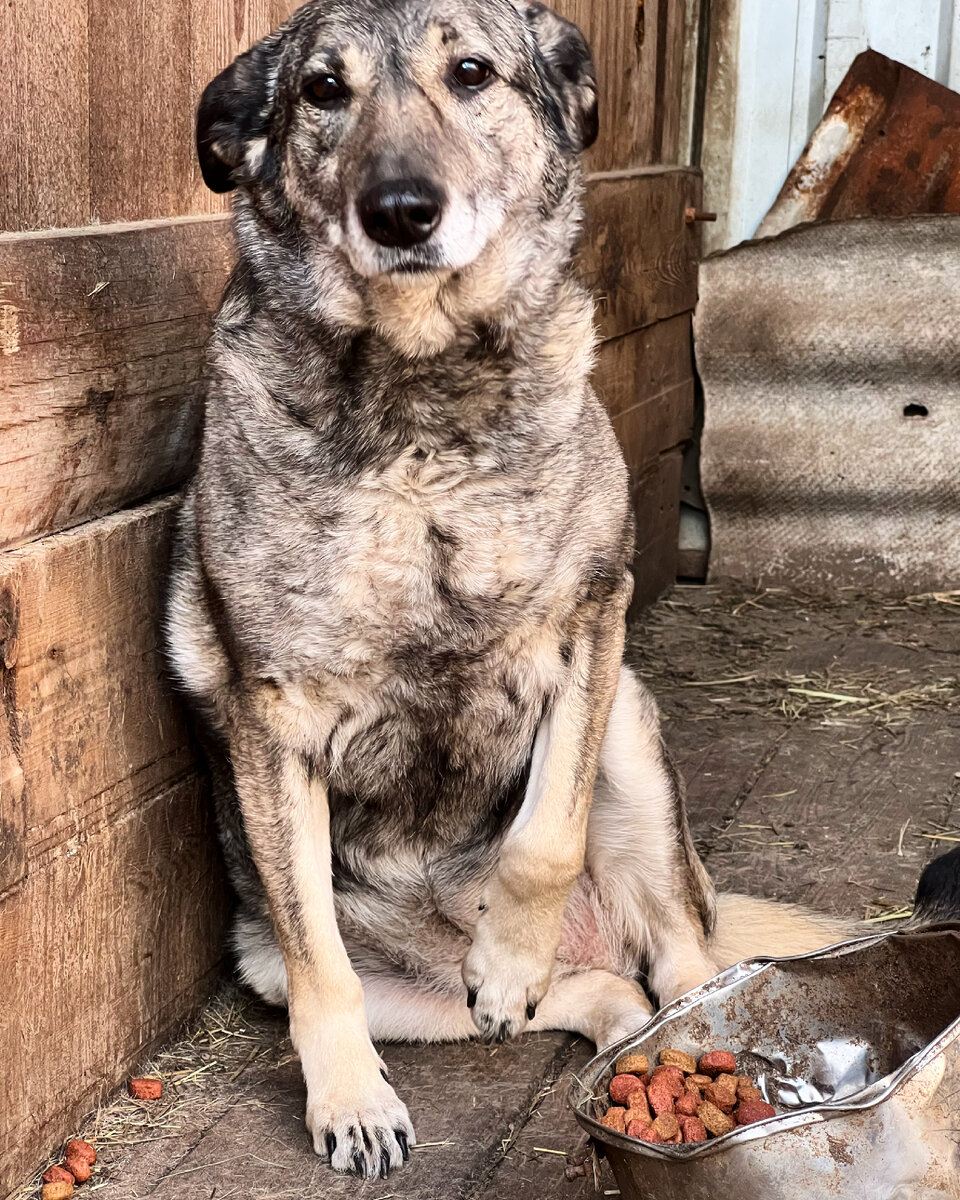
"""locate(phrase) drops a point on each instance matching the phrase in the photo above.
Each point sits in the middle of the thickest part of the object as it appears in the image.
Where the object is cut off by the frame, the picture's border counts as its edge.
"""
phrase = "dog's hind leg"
(655, 895)
(597, 1004)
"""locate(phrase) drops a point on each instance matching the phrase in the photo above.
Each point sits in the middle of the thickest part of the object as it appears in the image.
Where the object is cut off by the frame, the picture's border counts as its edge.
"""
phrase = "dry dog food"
(78, 1167)
(57, 1175)
(145, 1089)
(60, 1190)
(76, 1148)
(683, 1099)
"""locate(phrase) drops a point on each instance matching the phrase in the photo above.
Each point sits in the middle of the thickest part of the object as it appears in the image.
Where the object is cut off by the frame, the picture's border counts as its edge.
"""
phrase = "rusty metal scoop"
(858, 1047)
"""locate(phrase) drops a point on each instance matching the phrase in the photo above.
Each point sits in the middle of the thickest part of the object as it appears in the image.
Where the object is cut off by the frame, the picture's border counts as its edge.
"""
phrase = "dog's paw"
(367, 1135)
(504, 988)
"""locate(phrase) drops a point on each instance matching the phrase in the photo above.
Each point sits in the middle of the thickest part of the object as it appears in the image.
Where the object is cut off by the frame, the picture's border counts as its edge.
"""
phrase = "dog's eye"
(326, 90)
(471, 73)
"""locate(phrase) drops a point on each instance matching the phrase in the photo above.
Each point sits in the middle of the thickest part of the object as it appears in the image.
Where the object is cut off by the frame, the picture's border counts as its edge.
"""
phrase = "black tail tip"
(938, 892)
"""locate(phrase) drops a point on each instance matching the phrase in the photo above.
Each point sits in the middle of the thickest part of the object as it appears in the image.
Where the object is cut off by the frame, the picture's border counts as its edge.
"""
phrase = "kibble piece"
(637, 1107)
(621, 1086)
(716, 1122)
(746, 1090)
(632, 1064)
(57, 1191)
(722, 1092)
(687, 1105)
(645, 1134)
(718, 1062)
(700, 1081)
(79, 1168)
(660, 1097)
(145, 1089)
(671, 1077)
(77, 1148)
(58, 1174)
(615, 1118)
(677, 1058)
(749, 1111)
(693, 1129)
(667, 1126)
(694, 1089)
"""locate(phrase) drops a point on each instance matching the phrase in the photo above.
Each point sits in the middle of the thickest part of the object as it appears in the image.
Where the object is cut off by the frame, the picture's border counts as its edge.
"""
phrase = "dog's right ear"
(235, 112)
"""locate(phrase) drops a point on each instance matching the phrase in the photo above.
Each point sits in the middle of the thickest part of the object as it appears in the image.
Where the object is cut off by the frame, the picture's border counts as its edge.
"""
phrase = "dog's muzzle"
(401, 212)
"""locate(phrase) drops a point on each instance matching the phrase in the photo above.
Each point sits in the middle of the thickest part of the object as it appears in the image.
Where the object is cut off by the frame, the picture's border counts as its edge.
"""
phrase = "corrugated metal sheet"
(830, 360)
(888, 145)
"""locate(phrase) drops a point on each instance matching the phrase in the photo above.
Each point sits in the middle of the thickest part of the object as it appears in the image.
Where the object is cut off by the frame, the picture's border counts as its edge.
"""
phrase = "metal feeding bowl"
(858, 1048)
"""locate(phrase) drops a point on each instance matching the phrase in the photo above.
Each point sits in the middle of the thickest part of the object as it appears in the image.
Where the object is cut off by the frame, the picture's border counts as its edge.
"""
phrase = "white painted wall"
(771, 83)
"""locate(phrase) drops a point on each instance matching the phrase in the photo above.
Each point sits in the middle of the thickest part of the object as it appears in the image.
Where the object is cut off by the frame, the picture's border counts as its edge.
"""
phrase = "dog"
(398, 593)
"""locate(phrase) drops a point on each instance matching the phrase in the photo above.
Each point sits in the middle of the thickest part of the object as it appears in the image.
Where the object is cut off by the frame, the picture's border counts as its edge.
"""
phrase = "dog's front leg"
(353, 1113)
(508, 968)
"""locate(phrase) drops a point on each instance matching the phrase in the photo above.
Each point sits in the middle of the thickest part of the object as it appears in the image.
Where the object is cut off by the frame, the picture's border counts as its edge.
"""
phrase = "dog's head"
(405, 136)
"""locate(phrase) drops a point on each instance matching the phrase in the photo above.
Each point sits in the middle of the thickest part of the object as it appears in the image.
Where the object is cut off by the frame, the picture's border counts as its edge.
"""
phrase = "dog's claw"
(331, 1140)
(402, 1140)
(384, 1164)
(531, 1011)
(471, 997)
(358, 1164)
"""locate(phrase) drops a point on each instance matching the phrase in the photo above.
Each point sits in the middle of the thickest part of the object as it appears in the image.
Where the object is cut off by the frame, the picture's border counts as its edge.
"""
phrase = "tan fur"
(398, 594)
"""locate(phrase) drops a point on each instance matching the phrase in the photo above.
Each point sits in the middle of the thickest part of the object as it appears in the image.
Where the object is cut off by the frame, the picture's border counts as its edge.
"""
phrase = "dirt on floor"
(820, 742)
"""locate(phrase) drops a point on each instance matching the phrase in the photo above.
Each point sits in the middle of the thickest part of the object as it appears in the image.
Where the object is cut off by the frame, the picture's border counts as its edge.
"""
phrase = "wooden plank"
(646, 381)
(87, 705)
(639, 254)
(655, 492)
(623, 40)
(104, 950)
(669, 90)
(102, 372)
(43, 104)
(141, 117)
(104, 330)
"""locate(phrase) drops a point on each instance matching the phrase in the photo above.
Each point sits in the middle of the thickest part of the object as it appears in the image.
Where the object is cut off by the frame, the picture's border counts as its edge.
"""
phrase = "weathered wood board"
(101, 370)
(111, 898)
(639, 254)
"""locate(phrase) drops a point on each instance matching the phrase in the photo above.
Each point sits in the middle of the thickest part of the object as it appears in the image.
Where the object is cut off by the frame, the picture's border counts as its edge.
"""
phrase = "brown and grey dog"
(403, 565)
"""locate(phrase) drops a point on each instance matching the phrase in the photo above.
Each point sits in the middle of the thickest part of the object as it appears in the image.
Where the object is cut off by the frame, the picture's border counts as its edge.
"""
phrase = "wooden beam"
(639, 254)
(112, 902)
(103, 336)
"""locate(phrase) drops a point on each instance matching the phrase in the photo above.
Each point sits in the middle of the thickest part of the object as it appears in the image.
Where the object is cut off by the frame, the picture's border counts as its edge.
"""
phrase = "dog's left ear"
(233, 117)
(568, 73)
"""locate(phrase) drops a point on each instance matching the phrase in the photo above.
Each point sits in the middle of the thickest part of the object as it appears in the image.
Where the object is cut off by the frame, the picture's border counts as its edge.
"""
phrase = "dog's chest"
(425, 552)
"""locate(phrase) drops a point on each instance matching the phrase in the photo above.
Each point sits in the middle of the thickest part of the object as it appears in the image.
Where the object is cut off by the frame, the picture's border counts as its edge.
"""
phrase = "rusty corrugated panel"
(888, 145)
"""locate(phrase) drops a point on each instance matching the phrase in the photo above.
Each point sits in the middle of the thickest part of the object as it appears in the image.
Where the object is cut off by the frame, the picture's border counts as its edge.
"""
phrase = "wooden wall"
(111, 265)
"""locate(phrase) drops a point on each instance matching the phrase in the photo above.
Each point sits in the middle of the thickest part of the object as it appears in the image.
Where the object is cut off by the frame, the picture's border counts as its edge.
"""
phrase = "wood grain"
(639, 255)
(141, 112)
(102, 371)
(105, 948)
(655, 491)
(43, 114)
(646, 377)
(87, 704)
(622, 37)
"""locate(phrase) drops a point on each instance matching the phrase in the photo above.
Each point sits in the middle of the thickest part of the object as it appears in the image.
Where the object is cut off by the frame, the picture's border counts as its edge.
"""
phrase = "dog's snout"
(401, 212)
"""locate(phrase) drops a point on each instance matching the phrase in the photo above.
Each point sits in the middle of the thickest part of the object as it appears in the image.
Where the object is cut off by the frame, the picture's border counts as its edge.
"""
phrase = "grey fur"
(406, 551)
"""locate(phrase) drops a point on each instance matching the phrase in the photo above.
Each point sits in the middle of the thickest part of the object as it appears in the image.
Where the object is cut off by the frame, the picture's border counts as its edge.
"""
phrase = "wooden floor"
(821, 747)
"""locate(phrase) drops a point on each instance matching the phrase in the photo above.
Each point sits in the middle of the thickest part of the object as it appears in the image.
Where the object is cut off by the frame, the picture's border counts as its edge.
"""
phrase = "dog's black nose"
(401, 212)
